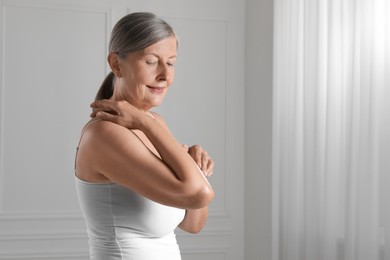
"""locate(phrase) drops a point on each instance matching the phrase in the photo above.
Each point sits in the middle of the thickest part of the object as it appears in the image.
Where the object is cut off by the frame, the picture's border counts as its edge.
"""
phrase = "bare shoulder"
(104, 147)
(102, 127)
(97, 141)
(107, 134)
(160, 119)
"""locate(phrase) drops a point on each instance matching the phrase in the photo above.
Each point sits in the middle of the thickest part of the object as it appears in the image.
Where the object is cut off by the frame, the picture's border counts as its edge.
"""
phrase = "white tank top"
(122, 224)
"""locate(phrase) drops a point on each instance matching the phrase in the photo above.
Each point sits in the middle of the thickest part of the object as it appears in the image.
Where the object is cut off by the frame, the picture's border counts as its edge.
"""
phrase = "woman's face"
(146, 75)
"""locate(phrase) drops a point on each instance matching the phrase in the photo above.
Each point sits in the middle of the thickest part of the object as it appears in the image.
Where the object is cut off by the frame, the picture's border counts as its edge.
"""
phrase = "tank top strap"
(81, 136)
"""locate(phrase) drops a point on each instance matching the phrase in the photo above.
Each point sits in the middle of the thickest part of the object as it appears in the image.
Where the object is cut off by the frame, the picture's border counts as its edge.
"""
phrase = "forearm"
(171, 151)
(194, 220)
(192, 182)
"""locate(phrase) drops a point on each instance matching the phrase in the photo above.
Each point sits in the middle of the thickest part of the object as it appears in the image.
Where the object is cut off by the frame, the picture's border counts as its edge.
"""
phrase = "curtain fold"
(331, 130)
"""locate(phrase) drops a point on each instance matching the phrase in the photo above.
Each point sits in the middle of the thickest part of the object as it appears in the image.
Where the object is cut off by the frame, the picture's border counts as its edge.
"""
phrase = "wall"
(53, 58)
(258, 129)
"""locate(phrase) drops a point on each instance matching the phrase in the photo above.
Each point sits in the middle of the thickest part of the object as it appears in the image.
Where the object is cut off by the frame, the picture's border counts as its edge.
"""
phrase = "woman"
(135, 182)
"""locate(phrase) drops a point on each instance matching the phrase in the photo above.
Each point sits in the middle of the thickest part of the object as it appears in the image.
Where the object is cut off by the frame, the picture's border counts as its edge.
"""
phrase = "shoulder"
(159, 119)
(107, 142)
(106, 149)
(106, 133)
(101, 127)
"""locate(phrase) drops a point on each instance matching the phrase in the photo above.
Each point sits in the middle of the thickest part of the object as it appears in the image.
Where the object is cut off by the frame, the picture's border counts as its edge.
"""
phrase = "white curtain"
(331, 185)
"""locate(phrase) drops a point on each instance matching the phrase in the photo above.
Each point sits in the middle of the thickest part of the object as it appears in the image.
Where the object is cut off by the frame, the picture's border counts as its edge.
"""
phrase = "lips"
(155, 89)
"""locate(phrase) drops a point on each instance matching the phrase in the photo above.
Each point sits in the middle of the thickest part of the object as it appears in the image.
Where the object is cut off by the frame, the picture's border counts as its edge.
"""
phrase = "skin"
(132, 147)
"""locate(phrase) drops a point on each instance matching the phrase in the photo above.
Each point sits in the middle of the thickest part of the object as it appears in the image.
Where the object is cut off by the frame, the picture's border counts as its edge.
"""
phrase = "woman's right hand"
(118, 112)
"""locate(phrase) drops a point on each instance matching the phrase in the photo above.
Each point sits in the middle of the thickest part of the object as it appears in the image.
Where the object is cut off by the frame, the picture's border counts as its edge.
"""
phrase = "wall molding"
(5, 216)
(64, 6)
(42, 236)
(201, 251)
(43, 256)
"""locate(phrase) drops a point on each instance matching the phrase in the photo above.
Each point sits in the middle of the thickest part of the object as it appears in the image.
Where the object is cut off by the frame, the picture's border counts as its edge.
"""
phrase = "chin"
(152, 105)
(157, 102)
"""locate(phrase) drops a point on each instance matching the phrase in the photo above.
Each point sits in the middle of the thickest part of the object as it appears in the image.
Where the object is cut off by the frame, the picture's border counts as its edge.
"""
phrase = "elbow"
(201, 199)
(194, 230)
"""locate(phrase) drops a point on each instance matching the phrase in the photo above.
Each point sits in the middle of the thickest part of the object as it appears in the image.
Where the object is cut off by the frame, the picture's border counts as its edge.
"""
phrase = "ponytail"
(106, 90)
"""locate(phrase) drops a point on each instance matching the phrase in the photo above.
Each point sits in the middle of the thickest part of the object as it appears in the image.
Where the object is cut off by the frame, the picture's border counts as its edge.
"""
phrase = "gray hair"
(133, 32)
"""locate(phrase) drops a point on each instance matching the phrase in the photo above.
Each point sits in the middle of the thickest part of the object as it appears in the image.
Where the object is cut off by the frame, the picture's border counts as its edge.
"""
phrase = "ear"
(113, 61)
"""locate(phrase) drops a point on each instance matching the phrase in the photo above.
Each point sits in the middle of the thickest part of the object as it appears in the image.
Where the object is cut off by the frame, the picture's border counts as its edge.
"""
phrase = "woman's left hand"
(195, 219)
(202, 159)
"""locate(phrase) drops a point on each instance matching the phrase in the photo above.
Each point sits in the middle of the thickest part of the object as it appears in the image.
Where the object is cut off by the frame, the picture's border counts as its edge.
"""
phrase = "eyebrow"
(156, 55)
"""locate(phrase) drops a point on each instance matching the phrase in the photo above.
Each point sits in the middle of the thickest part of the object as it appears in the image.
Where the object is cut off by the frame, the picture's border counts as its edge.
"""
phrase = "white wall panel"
(52, 59)
(42, 236)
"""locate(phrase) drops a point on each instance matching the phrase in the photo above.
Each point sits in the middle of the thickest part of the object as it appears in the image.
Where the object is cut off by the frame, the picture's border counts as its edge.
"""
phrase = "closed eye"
(151, 62)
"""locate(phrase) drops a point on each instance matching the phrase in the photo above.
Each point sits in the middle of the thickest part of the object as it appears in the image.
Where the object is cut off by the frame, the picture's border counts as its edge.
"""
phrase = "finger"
(197, 154)
(210, 168)
(108, 107)
(95, 111)
(205, 160)
(107, 117)
(191, 152)
(185, 147)
(100, 103)
(104, 105)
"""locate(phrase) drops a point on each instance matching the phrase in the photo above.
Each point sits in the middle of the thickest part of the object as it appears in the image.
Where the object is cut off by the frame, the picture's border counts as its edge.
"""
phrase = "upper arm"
(122, 157)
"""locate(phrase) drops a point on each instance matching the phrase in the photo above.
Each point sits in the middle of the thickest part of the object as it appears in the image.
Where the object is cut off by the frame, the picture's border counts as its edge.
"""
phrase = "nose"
(164, 73)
